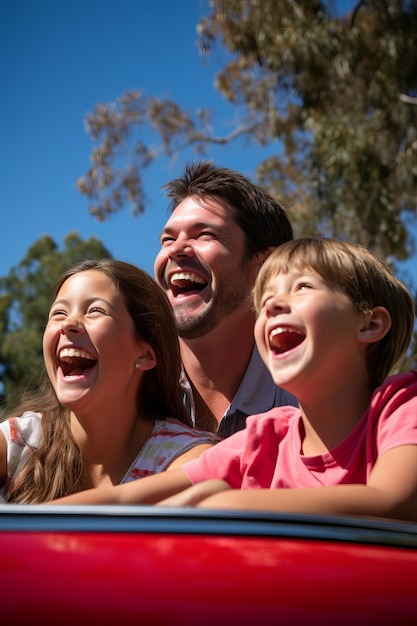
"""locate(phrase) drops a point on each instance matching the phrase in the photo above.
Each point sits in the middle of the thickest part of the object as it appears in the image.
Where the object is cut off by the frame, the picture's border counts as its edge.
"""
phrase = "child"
(111, 409)
(332, 323)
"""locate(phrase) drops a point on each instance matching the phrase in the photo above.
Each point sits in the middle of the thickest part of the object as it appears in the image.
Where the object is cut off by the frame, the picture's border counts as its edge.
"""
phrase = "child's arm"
(391, 492)
(196, 493)
(146, 490)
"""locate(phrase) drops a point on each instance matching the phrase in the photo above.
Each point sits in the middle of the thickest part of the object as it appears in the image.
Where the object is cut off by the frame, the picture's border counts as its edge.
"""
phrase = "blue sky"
(61, 57)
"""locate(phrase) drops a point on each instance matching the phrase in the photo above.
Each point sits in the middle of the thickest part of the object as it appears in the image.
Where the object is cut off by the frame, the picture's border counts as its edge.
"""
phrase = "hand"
(195, 494)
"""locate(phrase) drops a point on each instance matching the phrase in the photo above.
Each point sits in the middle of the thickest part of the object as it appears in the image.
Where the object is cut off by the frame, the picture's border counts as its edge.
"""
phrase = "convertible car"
(165, 566)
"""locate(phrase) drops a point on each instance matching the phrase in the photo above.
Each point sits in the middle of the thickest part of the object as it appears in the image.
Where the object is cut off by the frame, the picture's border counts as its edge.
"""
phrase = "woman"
(110, 408)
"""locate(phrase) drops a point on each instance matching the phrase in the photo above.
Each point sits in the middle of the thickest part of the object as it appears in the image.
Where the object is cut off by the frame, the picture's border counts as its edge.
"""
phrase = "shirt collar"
(256, 393)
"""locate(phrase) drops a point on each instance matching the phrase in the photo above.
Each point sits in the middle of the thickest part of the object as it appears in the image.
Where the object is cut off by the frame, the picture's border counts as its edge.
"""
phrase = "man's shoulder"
(258, 393)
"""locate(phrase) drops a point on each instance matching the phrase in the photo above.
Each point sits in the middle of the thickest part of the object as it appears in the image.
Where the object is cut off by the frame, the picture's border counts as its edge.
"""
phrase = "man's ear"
(375, 325)
(260, 258)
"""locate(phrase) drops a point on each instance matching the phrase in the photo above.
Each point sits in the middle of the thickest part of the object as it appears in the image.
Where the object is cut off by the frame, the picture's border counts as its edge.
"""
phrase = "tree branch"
(407, 99)
(241, 130)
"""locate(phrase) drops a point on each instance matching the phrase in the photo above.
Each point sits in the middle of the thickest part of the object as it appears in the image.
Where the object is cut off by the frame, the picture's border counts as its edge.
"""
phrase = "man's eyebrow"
(194, 226)
(166, 229)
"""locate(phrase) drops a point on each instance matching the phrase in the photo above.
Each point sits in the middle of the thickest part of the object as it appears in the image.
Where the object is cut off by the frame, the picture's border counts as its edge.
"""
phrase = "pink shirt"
(266, 454)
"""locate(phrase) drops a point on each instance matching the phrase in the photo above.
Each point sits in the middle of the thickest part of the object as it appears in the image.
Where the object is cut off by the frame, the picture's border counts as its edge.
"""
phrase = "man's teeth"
(68, 353)
(186, 276)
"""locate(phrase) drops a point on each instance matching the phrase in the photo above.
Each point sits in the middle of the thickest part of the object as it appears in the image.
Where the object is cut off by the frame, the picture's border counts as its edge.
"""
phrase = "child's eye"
(303, 285)
(264, 302)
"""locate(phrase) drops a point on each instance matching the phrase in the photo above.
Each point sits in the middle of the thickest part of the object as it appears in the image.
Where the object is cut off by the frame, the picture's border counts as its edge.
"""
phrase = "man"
(221, 229)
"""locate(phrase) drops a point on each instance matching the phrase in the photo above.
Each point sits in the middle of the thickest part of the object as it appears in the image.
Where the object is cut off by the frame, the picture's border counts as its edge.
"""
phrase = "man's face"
(202, 266)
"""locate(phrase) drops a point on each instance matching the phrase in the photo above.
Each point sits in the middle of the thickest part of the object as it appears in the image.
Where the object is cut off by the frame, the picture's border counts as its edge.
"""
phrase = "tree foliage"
(25, 300)
(335, 91)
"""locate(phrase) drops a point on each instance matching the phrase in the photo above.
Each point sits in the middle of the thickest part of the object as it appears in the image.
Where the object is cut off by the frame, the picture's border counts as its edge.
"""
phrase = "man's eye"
(165, 241)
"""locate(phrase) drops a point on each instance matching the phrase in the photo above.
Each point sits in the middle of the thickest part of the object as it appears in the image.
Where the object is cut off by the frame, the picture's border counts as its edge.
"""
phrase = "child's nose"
(277, 304)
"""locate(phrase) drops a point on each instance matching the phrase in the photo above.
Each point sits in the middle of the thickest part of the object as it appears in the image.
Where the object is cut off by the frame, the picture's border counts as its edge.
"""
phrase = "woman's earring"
(138, 364)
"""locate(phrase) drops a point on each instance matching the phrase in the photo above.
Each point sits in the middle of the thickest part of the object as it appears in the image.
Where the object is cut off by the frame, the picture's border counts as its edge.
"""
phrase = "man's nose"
(181, 247)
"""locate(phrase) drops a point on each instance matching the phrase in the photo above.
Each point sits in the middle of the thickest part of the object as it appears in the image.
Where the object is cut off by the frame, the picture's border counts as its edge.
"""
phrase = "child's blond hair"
(361, 275)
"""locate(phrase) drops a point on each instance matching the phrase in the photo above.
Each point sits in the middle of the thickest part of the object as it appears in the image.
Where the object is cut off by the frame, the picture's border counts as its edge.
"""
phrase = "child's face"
(306, 332)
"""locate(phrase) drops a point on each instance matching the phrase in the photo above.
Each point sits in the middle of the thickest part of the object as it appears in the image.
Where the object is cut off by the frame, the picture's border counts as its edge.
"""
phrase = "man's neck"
(216, 364)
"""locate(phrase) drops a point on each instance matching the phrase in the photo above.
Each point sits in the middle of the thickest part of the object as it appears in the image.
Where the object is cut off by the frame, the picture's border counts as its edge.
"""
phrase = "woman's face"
(90, 347)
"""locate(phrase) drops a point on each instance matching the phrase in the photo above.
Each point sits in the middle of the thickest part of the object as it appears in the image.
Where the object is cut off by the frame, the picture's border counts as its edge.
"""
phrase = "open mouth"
(74, 361)
(186, 282)
(283, 339)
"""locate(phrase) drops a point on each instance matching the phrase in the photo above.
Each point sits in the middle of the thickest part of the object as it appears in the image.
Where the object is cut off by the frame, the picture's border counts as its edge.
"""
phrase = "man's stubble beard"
(230, 295)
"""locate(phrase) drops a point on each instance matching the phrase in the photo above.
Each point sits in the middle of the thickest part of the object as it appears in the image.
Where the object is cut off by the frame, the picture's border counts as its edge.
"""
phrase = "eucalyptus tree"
(334, 91)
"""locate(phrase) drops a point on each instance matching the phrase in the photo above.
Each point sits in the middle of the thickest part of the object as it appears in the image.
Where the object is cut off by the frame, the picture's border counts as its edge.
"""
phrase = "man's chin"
(194, 328)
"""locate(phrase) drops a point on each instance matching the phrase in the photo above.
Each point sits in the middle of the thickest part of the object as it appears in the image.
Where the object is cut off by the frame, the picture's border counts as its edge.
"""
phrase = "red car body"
(158, 566)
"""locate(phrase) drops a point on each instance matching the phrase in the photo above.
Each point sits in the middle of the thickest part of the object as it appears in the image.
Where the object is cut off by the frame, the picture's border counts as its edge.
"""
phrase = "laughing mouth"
(184, 282)
(283, 339)
(75, 361)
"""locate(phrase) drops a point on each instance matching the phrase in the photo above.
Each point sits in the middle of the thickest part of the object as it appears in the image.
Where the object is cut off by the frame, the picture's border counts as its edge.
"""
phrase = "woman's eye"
(57, 313)
(96, 309)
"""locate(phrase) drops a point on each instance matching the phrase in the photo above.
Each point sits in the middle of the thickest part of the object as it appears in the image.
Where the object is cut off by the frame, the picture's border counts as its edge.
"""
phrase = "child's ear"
(375, 325)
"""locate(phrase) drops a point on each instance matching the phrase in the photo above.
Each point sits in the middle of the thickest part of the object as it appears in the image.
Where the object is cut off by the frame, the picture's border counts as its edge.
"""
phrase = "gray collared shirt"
(257, 393)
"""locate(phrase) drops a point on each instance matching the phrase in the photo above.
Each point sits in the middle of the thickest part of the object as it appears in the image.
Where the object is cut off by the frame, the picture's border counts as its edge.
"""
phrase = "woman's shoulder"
(171, 427)
(22, 428)
(169, 439)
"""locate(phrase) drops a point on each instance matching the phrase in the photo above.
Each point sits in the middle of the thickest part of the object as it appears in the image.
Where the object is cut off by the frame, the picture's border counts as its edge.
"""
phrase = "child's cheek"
(259, 332)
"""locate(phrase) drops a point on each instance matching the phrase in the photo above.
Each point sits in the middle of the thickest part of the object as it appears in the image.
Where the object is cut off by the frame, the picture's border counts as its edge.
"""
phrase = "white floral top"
(168, 440)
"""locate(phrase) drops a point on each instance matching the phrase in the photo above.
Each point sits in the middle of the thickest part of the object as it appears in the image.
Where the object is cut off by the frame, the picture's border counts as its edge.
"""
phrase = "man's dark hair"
(262, 218)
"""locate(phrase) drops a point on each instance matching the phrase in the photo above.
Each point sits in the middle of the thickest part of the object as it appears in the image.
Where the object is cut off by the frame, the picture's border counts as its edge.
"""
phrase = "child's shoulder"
(397, 394)
(277, 419)
(403, 383)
